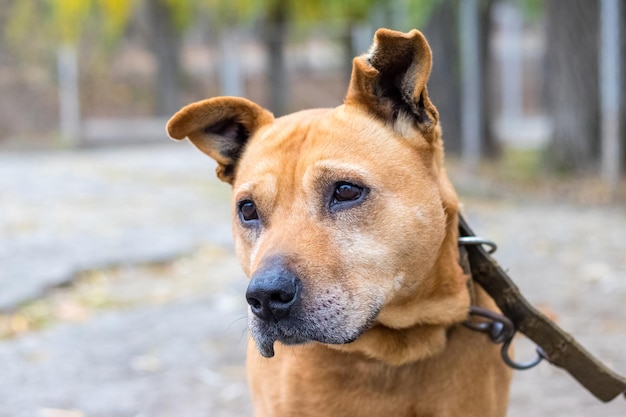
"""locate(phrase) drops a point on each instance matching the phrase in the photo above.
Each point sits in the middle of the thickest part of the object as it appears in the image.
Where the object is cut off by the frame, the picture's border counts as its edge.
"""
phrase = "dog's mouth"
(282, 308)
(294, 331)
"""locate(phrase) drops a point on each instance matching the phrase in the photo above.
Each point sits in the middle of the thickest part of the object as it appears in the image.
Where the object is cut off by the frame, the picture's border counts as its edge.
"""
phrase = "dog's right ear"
(390, 80)
(220, 127)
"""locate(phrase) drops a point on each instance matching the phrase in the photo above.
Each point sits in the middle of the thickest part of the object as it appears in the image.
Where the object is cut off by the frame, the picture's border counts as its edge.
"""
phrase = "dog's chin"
(265, 334)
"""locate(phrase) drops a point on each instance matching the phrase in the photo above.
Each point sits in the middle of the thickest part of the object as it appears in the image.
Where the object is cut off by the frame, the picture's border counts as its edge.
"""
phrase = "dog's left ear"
(390, 80)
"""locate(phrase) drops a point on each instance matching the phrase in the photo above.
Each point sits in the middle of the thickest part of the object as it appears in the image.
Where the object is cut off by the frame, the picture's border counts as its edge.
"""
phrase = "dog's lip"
(268, 333)
(265, 348)
(265, 345)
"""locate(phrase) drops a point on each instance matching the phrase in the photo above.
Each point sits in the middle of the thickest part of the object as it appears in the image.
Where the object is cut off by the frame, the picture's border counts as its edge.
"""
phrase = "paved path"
(65, 212)
(170, 341)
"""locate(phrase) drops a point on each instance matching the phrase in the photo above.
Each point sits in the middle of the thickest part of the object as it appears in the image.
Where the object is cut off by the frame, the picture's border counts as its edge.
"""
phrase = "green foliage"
(182, 12)
(64, 21)
(23, 15)
(532, 9)
(235, 11)
(353, 10)
(398, 14)
(418, 12)
(115, 16)
(69, 17)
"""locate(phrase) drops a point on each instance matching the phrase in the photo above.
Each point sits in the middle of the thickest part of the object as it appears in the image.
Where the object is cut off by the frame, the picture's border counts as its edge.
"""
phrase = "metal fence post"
(610, 85)
(69, 103)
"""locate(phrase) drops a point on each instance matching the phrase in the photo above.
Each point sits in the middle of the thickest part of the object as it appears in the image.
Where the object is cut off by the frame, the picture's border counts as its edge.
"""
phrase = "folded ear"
(390, 80)
(220, 127)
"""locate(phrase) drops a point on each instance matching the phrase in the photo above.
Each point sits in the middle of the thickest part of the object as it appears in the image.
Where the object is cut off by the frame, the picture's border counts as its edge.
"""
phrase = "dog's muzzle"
(284, 309)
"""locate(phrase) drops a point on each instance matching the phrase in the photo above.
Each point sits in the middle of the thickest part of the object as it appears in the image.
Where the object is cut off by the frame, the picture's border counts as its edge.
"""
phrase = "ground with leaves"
(168, 338)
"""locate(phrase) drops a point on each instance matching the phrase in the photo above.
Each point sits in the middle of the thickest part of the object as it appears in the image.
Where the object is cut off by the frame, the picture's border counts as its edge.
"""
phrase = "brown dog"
(346, 224)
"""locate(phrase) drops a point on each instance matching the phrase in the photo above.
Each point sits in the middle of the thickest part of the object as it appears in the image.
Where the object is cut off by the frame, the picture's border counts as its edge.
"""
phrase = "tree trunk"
(349, 51)
(572, 83)
(622, 126)
(444, 85)
(275, 35)
(356, 40)
(491, 147)
(445, 81)
(165, 43)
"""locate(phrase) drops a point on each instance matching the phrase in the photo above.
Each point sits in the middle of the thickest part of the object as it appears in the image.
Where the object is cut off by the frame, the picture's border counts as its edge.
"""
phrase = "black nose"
(272, 292)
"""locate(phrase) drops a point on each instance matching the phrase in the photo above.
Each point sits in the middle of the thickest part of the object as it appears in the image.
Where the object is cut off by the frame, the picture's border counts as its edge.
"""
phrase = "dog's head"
(344, 219)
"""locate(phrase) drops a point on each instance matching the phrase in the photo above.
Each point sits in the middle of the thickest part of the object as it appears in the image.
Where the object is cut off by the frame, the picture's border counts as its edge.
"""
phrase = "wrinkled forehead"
(320, 142)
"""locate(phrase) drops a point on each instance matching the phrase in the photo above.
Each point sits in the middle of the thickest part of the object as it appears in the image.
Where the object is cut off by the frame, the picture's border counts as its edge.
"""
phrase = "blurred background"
(521, 74)
(119, 291)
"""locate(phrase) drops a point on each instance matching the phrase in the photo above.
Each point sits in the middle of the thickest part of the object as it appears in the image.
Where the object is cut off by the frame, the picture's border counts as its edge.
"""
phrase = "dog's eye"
(347, 192)
(247, 211)
(346, 195)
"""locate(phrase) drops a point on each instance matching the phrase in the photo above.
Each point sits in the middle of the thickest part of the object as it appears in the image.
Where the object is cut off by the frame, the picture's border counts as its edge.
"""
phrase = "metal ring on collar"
(475, 240)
